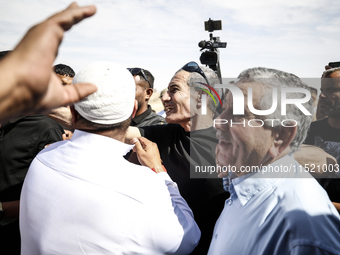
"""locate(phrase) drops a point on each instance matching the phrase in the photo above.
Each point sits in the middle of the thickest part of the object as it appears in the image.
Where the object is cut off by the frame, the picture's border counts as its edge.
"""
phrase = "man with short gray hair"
(82, 197)
(275, 205)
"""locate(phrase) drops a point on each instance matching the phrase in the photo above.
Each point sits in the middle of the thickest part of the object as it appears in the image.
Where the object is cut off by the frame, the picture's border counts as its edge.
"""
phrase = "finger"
(73, 5)
(143, 143)
(134, 140)
(138, 146)
(144, 140)
(73, 15)
(77, 92)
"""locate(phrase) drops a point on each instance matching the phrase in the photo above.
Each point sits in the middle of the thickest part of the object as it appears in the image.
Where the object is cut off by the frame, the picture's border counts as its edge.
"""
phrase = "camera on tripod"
(210, 54)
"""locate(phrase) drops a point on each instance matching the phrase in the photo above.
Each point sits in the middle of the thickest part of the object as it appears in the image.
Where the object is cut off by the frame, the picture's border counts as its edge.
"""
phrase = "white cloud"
(161, 36)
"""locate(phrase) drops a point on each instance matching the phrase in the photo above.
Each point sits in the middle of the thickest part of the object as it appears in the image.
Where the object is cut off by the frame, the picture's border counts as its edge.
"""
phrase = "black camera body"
(334, 64)
(210, 54)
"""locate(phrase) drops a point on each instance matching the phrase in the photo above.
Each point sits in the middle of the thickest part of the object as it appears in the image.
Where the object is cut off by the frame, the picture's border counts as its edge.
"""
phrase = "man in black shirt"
(325, 133)
(20, 141)
(188, 142)
(144, 89)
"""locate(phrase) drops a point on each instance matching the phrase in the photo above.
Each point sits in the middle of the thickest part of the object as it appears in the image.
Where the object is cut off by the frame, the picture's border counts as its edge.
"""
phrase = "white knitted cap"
(114, 99)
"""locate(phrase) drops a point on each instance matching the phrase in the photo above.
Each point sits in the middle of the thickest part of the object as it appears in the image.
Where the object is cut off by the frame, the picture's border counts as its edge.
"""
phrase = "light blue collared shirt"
(291, 214)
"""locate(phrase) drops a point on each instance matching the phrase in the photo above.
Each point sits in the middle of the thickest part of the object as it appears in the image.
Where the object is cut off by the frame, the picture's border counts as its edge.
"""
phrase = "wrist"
(159, 169)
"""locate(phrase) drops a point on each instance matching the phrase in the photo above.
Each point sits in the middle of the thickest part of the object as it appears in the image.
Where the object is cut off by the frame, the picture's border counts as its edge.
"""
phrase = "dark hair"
(4, 53)
(64, 70)
(149, 76)
(95, 127)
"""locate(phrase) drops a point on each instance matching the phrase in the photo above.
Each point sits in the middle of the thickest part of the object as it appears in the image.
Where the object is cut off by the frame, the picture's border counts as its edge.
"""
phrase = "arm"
(11, 209)
(26, 79)
(148, 155)
(337, 206)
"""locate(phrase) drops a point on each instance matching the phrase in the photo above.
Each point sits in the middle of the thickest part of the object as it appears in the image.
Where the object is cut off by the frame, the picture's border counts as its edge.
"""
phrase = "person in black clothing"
(325, 133)
(189, 142)
(144, 89)
(20, 141)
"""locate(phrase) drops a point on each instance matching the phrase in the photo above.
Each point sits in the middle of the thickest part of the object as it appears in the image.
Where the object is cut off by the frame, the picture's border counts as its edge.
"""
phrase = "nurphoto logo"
(238, 105)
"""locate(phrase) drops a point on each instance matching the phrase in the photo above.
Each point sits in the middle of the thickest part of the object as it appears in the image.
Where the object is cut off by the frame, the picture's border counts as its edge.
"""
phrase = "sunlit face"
(329, 101)
(177, 99)
(141, 87)
(65, 80)
(242, 145)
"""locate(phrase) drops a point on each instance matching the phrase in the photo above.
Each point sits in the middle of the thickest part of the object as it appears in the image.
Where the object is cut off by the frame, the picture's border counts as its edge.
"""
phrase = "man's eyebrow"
(172, 85)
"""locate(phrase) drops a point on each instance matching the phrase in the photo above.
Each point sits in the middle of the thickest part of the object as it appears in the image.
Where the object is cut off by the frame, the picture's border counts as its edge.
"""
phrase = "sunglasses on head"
(140, 72)
(194, 67)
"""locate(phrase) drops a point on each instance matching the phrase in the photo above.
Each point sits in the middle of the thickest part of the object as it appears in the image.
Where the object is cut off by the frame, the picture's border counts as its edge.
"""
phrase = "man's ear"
(148, 93)
(135, 107)
(282, 139)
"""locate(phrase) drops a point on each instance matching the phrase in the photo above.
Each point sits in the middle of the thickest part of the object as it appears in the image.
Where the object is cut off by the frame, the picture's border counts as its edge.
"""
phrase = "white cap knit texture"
(114, 99)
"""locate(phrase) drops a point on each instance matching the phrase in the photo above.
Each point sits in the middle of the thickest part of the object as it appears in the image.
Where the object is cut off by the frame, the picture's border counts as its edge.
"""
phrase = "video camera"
(210, 54)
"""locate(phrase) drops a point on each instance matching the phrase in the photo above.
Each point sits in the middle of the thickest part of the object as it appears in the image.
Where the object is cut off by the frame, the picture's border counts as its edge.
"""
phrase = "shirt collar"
(113, 146)
(250, 185)
(138, 119)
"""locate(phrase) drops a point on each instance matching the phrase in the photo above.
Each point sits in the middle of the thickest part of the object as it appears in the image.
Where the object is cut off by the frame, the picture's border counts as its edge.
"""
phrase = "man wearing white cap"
(82, 197)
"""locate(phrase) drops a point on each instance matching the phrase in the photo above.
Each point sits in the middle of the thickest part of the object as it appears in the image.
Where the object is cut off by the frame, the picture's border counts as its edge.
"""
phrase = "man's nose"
(166, 97)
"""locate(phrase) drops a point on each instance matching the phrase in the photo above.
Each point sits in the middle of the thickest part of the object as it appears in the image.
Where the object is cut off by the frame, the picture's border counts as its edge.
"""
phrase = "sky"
(299, 36)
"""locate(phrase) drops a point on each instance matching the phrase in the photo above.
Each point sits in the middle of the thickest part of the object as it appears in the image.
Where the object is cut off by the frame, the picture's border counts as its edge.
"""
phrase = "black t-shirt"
(147, 118)
(20, 142)
(326, 137)
(181, 152)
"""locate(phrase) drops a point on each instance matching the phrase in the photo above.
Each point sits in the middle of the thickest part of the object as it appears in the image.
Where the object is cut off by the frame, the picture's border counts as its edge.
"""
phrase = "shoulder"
(306, 213)
(42, 121)
(205, 137)
(316, 128)
(161, 129)
(155, 119)
(303, 193)
(163, 135)
(319, 124)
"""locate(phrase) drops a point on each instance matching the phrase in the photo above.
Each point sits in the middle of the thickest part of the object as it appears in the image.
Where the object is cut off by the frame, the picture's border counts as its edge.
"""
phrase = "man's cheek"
(220, 158)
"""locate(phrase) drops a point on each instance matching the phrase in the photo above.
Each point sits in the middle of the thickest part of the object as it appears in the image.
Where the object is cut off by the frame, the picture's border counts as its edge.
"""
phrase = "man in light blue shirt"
(275, 206)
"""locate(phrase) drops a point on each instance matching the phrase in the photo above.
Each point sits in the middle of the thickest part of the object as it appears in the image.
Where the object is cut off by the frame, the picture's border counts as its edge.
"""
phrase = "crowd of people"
(87, 167)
